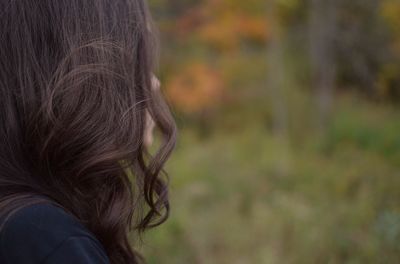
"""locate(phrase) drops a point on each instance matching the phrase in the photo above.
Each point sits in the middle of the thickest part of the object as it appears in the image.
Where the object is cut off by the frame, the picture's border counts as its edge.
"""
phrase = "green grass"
(244, 196)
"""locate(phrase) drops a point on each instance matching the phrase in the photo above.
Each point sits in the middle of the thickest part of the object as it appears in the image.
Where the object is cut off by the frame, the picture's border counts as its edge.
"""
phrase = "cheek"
(148, 132)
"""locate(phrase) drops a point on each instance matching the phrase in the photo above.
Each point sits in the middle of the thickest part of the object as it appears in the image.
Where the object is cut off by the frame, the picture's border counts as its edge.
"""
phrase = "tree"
(322, 32)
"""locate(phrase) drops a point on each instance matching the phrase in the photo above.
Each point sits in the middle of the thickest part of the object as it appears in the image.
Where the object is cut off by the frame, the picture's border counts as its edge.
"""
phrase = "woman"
(76, 96)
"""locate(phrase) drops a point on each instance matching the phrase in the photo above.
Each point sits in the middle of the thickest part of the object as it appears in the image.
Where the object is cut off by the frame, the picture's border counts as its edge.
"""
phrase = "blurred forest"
(289, 117)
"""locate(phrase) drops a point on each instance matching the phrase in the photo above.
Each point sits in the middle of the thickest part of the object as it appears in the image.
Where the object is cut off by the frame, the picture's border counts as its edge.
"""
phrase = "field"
(246, 196)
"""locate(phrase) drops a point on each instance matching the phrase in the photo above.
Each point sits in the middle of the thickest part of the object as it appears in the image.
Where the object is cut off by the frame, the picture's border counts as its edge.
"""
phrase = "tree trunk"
(322, 46)
(275, 80)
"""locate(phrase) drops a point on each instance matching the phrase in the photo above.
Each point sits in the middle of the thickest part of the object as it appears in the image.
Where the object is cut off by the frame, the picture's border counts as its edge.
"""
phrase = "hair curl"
(75, 89)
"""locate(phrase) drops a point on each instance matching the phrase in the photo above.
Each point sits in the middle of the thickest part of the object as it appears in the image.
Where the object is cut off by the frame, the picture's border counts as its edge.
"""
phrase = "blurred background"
(289, 144)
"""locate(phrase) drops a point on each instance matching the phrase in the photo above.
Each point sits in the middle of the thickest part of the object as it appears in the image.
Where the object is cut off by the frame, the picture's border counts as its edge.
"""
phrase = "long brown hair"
(75, 87)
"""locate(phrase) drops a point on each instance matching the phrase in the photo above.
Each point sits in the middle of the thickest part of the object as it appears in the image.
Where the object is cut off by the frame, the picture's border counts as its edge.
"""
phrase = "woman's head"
(75, 90)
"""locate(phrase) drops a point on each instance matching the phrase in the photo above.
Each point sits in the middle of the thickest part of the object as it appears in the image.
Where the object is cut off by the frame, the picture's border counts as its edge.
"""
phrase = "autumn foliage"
(195, 88)
(200, 40)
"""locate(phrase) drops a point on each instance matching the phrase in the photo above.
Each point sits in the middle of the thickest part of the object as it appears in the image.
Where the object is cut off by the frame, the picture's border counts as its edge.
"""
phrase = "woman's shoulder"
(42, 218)
(45, 232)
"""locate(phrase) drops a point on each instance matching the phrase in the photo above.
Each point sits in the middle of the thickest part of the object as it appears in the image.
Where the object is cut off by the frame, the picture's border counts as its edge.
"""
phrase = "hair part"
(75, 87)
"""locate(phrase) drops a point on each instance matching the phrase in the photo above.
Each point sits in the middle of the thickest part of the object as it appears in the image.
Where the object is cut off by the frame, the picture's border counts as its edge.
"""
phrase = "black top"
(47, 234)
